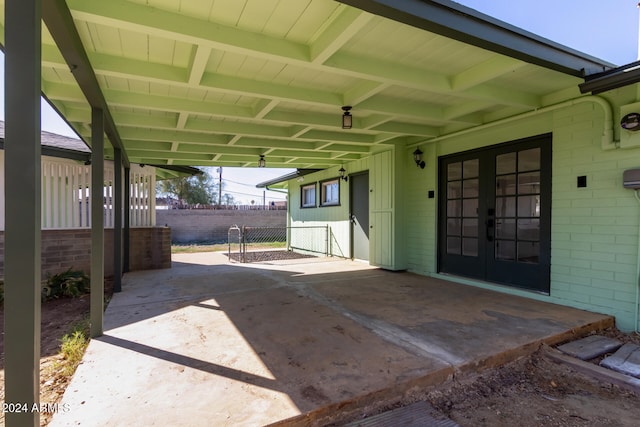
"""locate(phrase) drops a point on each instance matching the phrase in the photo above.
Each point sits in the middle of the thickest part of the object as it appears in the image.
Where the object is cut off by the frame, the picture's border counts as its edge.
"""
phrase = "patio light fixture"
(347, 118)
(343, 174)
(261, 162)
(417, 157)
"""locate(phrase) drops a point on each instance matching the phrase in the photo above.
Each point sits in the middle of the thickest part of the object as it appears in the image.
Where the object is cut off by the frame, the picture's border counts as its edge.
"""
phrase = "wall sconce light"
(417, 157)
(261, 162)
(347, 118)
(343, 174)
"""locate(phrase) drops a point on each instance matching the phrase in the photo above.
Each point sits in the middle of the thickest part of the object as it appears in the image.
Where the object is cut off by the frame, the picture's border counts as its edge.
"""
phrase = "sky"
(606, 29)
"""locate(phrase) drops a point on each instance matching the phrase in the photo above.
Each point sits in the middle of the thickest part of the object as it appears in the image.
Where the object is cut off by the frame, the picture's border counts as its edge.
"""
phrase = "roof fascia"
(622, 76)
(59, 22)
(452, 20)
(187, 170)
(287, 177)
(61, 153)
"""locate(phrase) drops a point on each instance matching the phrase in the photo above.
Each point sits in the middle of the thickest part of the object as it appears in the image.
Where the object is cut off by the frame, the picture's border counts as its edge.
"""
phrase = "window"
(331, 193)
(308, 196)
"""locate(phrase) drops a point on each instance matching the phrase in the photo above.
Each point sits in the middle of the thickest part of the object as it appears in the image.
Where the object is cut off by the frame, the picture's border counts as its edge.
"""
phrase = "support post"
(117, 223)
(22, 260)
(97, 222)
(127, 217)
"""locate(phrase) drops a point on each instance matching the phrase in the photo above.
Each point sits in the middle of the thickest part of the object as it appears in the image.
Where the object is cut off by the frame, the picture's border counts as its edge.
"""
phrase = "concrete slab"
(209, 342)
(590, 347)
(626, 360)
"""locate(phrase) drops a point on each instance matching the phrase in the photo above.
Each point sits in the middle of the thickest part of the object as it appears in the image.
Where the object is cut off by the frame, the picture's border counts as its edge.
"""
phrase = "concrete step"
(626, 360)
(420, 414)
(590, 347)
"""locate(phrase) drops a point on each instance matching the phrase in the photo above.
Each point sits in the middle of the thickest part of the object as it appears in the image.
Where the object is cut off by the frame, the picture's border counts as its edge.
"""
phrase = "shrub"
(70, 283)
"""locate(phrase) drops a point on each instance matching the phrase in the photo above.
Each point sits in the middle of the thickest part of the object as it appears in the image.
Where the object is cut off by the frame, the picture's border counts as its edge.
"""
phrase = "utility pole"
(220, 187)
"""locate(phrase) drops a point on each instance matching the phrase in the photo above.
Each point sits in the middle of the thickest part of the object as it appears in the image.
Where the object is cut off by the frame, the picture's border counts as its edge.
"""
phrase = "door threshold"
(500, 287)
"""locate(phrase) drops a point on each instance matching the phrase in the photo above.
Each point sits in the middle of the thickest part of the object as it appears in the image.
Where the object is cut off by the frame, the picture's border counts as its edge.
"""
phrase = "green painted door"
(495, 214)
(359, 191)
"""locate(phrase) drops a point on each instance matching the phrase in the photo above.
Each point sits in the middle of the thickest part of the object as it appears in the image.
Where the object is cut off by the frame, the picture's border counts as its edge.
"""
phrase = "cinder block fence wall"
(191, 226)
(71, 248)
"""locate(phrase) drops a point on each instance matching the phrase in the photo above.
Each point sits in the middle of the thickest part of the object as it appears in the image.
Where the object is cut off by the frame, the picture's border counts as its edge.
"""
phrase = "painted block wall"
(594, 229)
(594, 248)
(192, 226)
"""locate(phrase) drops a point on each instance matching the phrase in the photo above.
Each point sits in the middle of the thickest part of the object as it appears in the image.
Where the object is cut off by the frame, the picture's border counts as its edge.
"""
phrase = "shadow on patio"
(213, 343)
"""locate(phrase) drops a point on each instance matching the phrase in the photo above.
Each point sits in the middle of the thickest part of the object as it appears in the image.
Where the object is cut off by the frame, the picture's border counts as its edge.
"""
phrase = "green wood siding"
(336, 217)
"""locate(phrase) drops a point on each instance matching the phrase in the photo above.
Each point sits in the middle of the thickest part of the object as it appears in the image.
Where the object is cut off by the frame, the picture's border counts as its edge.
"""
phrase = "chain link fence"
(254, 244)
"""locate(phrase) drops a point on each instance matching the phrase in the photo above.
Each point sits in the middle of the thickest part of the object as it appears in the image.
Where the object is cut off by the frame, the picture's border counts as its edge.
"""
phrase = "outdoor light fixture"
(343, 174)
(262, 163)
(347, 118)
(417, 157)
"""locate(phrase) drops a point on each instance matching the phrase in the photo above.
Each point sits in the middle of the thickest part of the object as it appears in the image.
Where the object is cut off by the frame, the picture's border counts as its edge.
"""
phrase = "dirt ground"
(533, 391)
(536, 392)
(57, 319)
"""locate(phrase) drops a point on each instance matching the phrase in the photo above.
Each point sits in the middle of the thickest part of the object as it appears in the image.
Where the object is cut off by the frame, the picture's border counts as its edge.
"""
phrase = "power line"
(253, 195)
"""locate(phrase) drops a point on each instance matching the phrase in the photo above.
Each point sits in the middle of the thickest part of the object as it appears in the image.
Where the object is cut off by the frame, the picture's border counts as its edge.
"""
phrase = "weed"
(72, 348)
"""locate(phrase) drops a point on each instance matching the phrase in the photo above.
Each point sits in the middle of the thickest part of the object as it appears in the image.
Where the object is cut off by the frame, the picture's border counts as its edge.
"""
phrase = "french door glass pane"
(454, 190)
(454, 208)
(505, 207)
(453, 245)
(529, 206)
(454, 171)
(529, 160)
(470, 188)
(470, 208)
(529, 183)
(506, 163)
(506, 185)
(471, 169)
(505, 229)
(529, 229)
(470, 227)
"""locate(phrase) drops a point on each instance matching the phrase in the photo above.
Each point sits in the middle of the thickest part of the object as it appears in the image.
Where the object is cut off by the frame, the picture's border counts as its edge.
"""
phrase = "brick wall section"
(191, 226)
(150, 248)
(63, 249)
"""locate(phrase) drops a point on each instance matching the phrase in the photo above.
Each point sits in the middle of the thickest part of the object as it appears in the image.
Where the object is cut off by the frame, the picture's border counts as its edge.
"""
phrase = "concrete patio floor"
(209, 342)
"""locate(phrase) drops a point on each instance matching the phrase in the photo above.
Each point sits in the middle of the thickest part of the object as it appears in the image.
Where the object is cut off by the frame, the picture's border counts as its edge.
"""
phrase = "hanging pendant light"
(347, 118)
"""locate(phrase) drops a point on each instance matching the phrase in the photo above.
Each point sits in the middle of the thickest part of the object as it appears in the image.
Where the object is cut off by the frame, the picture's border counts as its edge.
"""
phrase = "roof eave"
(452, 20)
(613, 79)
(293, 175)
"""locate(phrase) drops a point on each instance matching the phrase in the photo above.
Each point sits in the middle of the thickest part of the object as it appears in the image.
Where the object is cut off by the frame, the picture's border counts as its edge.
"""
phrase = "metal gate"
(253, 244)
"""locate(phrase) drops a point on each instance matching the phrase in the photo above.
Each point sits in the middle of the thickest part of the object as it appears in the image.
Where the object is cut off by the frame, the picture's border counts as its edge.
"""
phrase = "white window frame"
(330, 192)
(308, 196)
